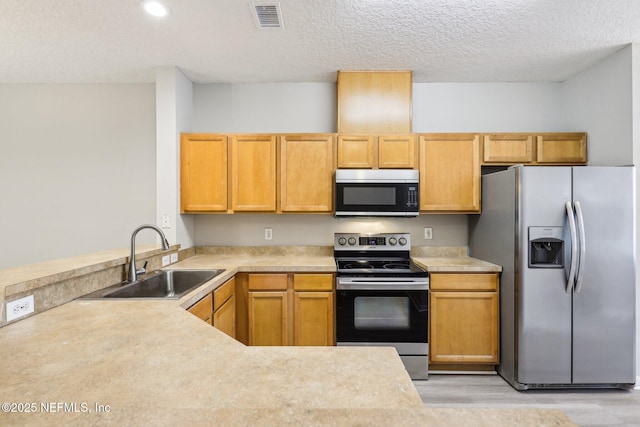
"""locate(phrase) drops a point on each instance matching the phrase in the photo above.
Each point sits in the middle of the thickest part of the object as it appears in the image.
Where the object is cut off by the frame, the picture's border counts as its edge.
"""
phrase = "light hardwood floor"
(584, 407)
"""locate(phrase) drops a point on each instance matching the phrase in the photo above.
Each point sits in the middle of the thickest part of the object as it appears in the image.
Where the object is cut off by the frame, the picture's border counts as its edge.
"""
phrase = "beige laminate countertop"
(153, 363)
(459, 264)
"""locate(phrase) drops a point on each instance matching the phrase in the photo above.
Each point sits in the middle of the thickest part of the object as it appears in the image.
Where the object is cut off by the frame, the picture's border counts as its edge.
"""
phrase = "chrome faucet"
(133, 272)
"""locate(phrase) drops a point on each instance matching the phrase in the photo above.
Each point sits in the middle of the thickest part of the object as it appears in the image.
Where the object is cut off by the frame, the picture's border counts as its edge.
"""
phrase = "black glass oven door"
(381, 316)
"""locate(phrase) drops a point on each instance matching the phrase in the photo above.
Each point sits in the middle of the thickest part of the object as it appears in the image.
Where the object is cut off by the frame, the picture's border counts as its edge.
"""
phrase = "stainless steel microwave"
(379, 192)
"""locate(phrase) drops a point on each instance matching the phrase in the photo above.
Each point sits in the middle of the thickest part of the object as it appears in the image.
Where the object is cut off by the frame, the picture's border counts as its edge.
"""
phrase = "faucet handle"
(142, 269)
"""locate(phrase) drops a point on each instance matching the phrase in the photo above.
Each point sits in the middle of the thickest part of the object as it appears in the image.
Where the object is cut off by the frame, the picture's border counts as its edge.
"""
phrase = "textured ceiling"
(86, 41)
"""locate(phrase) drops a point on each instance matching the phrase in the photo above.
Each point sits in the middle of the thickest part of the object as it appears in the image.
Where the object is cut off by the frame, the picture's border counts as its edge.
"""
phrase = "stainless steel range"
(382, 296)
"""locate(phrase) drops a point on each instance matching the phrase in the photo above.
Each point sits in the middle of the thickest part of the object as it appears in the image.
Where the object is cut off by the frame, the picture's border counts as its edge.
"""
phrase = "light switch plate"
(268, 234)
(174, 257)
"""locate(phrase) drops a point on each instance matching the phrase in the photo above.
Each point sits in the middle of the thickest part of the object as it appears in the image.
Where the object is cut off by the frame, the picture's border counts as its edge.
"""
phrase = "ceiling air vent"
(267, 15)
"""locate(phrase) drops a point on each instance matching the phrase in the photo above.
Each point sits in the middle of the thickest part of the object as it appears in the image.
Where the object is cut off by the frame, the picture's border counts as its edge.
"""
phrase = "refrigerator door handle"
(574, 247)
(583, 247)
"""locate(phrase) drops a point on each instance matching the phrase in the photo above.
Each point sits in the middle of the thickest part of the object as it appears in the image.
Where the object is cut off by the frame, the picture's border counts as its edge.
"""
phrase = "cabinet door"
(253, 173)
(356, 151)
(374, 101)
(397, 151)
(450, 173)
(203, 173)
(223, 292)
(306, 174)
(313, 318)
(463, 327)
(562, 148)
(203, 309)
(224, 318)
(268, 318)
(507, 149)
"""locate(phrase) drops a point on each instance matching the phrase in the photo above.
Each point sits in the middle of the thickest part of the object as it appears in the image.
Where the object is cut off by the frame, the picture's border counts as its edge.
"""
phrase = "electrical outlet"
(268, 234)
(20, 307)
(166, 260)
(428, 233)
(174, 257)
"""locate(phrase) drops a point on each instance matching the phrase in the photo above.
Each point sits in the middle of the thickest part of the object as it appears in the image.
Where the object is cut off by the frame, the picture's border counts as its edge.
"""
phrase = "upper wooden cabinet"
(357, 151)
(534, 148)
(307, 163)
(562, 148)
(450, 172)
(507, 148)
(393, 151)
(203, 173)
(374, 101)
(253, 173)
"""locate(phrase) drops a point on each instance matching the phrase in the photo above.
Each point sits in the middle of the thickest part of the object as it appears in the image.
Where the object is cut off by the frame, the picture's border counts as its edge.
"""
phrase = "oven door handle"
(383, 286)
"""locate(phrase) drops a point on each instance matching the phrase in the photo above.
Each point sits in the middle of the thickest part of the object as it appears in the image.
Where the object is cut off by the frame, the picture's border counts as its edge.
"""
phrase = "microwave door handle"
(574, 247)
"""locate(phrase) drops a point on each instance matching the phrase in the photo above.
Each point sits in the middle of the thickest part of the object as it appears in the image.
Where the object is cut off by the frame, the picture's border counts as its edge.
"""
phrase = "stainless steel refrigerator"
(565, 238)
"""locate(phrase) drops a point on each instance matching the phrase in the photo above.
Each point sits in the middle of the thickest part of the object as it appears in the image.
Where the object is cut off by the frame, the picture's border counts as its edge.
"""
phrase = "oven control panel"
(380, 241)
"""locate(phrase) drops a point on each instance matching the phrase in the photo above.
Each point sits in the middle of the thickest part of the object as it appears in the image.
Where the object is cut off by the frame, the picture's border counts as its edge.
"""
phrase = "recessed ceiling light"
(155, 8)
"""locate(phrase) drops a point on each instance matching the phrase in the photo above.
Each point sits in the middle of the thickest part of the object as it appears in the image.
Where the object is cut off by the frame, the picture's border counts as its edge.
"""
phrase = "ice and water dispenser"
(546, 247)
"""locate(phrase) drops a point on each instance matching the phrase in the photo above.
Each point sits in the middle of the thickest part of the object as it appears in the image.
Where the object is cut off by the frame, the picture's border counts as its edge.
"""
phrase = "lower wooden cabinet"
(463, 323)
(224, 308)
(290, 309)
(313, 315)
(268, 318)
(218, 308)
(203, 309)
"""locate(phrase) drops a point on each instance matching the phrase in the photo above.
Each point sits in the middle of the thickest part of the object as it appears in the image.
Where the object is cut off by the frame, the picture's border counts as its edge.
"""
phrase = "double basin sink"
(168, 284)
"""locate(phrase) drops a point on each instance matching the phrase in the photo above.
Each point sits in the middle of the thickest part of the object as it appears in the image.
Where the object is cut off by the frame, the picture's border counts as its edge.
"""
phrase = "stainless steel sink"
(170, 284)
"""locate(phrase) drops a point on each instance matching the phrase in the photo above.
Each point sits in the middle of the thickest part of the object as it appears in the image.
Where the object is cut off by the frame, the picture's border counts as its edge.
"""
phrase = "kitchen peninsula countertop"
(140, 362)
(145, 362)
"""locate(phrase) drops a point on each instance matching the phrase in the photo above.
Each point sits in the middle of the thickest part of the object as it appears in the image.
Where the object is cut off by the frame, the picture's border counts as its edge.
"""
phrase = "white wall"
(77, 168)
(265, 107)
(317, 230)
(599, 101)
(486, 107)
(311, 107)
(174, 112)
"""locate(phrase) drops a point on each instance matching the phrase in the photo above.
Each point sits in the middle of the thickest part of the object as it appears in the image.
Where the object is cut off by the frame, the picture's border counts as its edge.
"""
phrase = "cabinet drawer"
(203, 308)
(463, 282)
(267, 282)
(221, 294)
(313, 282)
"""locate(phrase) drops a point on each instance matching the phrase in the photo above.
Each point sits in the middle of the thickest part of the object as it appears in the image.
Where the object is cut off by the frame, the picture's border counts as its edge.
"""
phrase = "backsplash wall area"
(318, 230)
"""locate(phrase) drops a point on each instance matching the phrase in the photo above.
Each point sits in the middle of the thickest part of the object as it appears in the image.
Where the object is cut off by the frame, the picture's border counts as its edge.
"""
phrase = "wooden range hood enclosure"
(374, 102)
